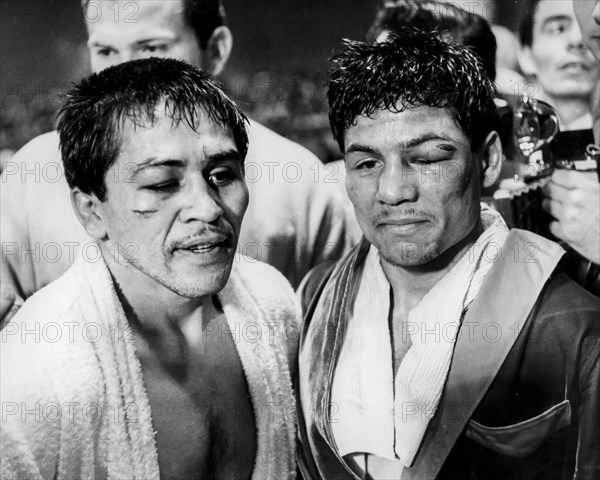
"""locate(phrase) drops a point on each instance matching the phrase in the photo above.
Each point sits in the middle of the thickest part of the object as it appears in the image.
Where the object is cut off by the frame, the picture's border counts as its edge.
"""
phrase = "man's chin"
(203, 282)
(410, 254)
(199, 289)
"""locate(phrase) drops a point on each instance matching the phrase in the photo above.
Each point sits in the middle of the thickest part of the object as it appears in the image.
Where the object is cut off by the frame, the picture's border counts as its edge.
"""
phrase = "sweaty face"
(588, 17)
(413, 182)
(174, 205)
(561, 62)
(122, 31)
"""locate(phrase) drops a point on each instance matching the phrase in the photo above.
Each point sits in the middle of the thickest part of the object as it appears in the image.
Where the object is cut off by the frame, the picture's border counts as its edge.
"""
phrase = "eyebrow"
(357, 147)
(154, 162)
(224, 156)
(98, 43)
(412, 143)
(555, 18)
(160, 38)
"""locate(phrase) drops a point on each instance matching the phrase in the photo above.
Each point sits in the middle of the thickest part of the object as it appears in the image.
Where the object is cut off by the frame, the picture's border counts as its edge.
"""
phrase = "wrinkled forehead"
(132, 21)
(165, 114)
(403, 126)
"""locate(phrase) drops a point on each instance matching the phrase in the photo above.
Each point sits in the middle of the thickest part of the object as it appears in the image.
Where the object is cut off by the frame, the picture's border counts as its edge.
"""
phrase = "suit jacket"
(525, 407)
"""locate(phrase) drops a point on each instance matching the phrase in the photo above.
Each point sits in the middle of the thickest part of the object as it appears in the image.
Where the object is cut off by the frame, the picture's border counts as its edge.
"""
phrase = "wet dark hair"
(204, 16)
(526, 24)
(96, 108)
(411, 68)
(446, 20)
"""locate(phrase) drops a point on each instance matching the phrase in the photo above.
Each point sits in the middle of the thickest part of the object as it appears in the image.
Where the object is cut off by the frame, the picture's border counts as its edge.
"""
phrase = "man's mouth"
(576, 67)
(204, 244)
(204, 248)
(403, 226)
(404, 221)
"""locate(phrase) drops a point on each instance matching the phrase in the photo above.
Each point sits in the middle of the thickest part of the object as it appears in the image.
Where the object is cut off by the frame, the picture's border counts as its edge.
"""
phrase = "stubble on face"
(422, 162)
(175, 223)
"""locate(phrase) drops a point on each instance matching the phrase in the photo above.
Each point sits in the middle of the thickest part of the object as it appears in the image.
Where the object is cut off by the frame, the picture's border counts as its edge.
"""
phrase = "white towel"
(368, 414)
(95, 378)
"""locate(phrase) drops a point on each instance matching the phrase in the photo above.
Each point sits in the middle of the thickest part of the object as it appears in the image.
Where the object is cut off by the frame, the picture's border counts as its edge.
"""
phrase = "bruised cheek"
(359, 196)
(145, 205)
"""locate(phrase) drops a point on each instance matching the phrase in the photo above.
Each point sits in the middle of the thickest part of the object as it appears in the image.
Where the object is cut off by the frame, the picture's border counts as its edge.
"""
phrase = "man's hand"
(573, 199)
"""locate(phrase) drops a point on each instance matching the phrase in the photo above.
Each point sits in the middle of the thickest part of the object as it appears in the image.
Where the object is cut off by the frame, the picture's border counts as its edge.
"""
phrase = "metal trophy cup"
(535, 124)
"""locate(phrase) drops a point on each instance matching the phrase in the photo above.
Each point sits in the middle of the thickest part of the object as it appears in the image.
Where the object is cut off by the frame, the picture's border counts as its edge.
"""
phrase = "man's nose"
(201, 203)
(576, 37)
(127, 55)
(397, 184)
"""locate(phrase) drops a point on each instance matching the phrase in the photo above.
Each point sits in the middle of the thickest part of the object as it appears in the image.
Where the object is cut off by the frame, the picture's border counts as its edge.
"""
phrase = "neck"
(147, 303)
(411, 284)
(569, 109)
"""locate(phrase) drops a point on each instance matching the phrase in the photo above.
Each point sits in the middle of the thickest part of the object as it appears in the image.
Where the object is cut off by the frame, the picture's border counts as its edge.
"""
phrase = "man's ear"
(88, 212)
(491, 155)
(526, 62)
(217, 50)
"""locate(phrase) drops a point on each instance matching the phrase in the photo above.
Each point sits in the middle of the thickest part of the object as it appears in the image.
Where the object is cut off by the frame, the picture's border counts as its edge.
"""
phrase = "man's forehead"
(547, 9)
(165, 140)
(163, 118)
(406, 124)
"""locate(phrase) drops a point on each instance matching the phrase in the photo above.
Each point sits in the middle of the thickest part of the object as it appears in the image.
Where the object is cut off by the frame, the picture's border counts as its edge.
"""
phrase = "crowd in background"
(291, 101)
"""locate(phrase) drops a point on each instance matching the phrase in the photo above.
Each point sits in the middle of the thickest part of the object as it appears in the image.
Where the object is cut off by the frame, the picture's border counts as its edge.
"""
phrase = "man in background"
(573, 198)
(554, 55)
(294, 220)
(450, 22)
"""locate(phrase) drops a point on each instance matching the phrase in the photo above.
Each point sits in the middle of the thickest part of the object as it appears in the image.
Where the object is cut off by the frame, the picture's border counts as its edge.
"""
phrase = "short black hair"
(446, 19)
(96, 107)
(411, 68)
(204, 16)
(527, 21)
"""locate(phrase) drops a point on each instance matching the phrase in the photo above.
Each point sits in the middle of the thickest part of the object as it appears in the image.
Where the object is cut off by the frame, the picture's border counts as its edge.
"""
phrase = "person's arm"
(17, 274)
(23, 187)
(573, 199)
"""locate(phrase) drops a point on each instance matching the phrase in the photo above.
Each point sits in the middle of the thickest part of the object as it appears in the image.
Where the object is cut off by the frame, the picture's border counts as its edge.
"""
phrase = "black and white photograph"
(319, 240)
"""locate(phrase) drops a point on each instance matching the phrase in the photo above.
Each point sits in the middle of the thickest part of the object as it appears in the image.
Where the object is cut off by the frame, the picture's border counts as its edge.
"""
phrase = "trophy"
(535, 124)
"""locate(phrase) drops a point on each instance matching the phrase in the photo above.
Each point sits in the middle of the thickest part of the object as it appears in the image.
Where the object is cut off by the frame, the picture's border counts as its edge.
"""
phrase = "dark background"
(276, 71)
